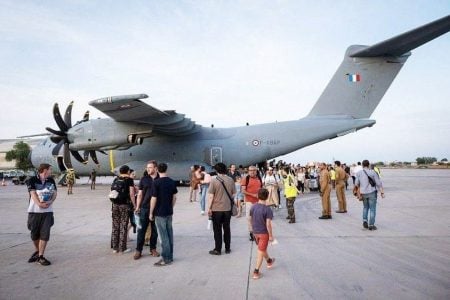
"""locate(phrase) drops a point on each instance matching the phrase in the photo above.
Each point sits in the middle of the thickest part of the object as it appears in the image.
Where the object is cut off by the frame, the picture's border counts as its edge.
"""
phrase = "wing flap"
(130, 108)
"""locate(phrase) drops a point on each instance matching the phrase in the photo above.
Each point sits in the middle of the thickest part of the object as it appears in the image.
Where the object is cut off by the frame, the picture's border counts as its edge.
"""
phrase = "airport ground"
(408, 257)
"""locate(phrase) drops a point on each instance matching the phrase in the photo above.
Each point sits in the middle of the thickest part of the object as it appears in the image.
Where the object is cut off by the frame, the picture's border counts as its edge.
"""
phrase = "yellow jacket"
(290, 190)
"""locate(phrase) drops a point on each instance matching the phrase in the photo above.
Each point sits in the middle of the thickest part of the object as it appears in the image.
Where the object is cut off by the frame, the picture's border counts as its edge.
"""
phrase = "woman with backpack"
(121, 195)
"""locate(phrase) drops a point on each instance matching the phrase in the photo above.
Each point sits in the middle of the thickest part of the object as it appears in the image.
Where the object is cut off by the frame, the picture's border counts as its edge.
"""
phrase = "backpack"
(247, 179)
(119, 191)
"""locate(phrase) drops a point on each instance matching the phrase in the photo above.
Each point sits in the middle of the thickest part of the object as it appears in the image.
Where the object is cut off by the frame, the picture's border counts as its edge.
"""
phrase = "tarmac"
(408, 257)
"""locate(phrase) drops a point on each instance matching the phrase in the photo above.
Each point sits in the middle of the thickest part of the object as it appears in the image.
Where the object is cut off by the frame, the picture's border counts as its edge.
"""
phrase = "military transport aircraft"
(137, 132)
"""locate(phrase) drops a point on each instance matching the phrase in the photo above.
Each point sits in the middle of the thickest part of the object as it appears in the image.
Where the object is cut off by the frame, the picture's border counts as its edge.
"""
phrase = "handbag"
(234, 211)
(371, 180)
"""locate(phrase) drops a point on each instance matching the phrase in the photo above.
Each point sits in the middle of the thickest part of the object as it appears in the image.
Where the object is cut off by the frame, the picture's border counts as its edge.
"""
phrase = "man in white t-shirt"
(42, 189)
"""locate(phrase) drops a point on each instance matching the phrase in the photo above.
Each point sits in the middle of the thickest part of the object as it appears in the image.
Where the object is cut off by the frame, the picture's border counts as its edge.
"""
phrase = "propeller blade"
(78, 157)
(94, 156)
(58, 118)
(56, 138)
(56, 149)
(67, 159)
(85, 117)
(55, 132)
(68, 115)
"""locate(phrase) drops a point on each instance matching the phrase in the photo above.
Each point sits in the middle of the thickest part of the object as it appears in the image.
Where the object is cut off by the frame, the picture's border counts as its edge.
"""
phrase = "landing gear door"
(216, 155)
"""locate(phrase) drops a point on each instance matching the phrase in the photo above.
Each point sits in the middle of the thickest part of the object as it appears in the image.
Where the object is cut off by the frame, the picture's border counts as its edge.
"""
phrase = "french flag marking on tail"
(354, 77)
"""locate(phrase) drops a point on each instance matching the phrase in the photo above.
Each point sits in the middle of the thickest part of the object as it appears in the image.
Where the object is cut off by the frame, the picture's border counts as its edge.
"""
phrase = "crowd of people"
(254, 191)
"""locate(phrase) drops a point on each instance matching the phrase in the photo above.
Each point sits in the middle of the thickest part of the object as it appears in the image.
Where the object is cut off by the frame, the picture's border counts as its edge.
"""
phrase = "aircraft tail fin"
(366, 73)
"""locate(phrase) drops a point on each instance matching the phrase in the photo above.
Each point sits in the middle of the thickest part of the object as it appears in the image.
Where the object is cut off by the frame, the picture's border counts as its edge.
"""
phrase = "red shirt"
(254, 184)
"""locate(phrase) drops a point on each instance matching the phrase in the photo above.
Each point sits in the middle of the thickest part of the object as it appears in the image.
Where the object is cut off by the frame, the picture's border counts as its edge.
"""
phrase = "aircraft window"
(131, 154)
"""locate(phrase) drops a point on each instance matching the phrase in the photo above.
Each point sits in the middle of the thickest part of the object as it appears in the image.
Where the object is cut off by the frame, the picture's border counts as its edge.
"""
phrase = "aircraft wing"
(130, 108)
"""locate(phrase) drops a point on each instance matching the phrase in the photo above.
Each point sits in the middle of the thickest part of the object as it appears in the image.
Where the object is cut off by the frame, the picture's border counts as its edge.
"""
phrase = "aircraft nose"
(30, 158)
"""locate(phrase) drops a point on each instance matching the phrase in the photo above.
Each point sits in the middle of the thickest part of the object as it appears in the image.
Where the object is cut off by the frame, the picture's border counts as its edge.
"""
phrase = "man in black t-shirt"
(161, 210)
(233, 173)
(143, 210)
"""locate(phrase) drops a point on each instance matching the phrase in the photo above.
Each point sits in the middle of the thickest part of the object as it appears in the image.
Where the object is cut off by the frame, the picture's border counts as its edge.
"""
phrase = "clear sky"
(224, 62)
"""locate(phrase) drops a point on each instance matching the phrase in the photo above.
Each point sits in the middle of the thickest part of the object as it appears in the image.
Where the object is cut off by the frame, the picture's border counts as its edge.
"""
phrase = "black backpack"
(119, 191)
(247, 179)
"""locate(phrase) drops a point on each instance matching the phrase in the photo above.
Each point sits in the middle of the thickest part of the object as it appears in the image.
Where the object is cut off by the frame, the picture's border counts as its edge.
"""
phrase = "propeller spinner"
(60, 137)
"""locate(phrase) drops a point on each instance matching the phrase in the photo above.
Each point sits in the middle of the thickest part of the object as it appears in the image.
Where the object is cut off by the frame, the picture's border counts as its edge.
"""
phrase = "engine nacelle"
(107, 134)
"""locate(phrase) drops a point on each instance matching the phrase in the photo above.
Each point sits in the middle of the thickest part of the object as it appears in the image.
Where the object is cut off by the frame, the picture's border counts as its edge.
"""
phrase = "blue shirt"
(260, 213)
(363, 181)
(35, 184)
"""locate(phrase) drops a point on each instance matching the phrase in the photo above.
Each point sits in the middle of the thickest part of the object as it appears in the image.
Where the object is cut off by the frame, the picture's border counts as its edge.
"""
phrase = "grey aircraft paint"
(137, 132)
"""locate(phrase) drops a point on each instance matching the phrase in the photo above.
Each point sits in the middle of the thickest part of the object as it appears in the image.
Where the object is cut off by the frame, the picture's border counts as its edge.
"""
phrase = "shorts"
(39, 224)
(262, 240)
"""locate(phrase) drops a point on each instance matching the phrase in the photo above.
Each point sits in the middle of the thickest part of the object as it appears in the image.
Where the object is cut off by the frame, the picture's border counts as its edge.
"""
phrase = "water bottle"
(208, 227)
(137, 220)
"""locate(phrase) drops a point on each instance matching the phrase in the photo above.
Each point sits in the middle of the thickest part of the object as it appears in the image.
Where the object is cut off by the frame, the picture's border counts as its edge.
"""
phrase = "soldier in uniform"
(341, 177)
(325, 190)
(70, 180)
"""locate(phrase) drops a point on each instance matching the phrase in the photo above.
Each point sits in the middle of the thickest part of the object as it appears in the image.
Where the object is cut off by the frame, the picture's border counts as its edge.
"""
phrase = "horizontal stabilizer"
(407, 41)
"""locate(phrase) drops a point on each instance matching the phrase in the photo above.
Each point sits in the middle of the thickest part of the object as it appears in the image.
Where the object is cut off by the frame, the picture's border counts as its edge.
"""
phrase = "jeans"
(203, 191)
(165, 232)
(143, 216)
(221, 219)
(370, 203)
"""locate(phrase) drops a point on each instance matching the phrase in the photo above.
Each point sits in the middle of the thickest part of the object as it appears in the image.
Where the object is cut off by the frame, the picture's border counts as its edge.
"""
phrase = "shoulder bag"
(234, 211)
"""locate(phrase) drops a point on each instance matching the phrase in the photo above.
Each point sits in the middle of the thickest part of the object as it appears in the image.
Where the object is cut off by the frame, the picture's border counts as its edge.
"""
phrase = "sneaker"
(214, 252)
(202, 212)
(43, 261)
(365, 224)
(137, 255)
(126, 250)
(256, 274)
(372, 227)
(162, 263)
(34, 257)
(115, 251)
(227, 251)
(270, 262)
